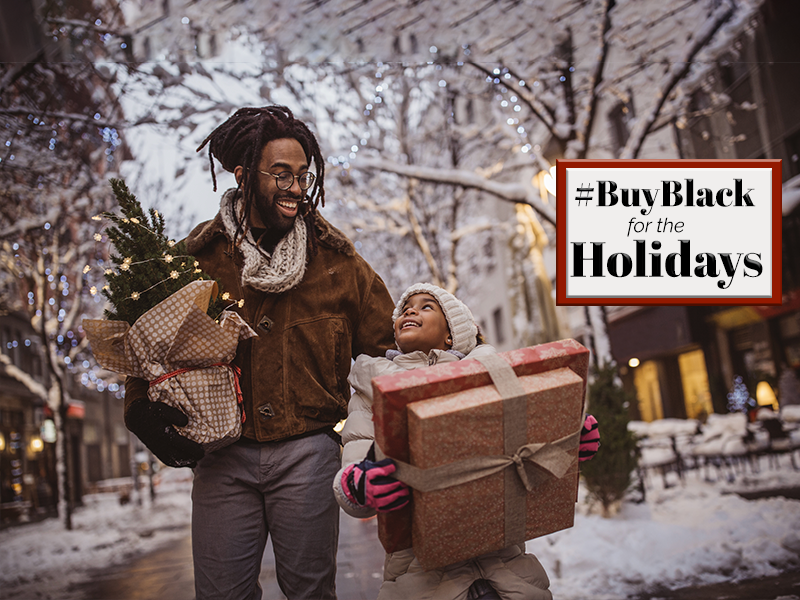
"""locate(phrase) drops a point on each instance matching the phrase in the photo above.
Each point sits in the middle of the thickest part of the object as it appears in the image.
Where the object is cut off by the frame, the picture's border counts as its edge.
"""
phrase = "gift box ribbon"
(553, 459)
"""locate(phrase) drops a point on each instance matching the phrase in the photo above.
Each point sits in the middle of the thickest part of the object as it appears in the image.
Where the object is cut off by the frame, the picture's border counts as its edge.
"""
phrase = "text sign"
(668, 232)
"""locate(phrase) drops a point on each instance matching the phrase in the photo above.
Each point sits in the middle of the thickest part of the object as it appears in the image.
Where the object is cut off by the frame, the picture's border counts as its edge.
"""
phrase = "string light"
(128, 262)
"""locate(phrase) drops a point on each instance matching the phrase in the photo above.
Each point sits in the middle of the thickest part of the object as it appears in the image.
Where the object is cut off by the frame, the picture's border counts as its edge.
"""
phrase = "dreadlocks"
(240, 141)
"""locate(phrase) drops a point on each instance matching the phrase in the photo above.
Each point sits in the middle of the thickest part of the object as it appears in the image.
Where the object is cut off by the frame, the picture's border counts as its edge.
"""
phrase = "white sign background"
(710, 229)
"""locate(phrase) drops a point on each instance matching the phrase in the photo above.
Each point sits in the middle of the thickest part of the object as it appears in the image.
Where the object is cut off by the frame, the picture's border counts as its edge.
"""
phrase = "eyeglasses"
(285, 180)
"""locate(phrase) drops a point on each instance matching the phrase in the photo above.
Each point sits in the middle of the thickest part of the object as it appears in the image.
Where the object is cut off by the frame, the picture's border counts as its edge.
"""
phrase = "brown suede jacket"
(294, 374)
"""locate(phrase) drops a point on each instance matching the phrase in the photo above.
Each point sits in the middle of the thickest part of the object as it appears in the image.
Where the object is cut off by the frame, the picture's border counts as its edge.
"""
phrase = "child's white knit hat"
(460, 321)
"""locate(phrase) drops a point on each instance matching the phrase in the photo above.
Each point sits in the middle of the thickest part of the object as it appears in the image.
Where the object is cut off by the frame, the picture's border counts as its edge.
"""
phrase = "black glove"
(152, 422)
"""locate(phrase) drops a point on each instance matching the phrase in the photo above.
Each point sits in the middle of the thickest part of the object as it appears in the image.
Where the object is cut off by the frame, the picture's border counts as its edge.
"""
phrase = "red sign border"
(561, 224)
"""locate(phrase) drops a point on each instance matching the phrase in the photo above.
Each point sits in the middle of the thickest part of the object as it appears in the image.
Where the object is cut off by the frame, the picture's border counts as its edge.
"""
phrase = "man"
(314, 303)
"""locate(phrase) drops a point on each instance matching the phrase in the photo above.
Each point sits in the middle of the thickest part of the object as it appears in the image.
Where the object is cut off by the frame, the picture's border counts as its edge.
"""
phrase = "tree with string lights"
(146, 266)
(431, 108)
(61, 119)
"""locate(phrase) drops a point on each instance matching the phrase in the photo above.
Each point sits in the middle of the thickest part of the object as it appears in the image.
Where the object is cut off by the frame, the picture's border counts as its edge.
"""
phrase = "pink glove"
(590, 439)
(371, 484)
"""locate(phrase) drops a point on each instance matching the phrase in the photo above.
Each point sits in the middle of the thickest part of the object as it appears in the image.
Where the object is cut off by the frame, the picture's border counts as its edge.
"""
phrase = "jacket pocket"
(319, 352)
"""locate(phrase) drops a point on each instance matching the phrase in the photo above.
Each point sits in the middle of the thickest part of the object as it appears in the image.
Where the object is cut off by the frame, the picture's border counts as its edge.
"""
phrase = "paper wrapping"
(467, 520)
(186, 356)
(394, 393)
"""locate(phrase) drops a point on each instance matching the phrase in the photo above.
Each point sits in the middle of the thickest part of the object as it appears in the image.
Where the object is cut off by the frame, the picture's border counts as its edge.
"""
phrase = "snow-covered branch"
(24, 378)
(510, 192)
(674, 75)
(526, 99)
(23, 111)
(584, 123)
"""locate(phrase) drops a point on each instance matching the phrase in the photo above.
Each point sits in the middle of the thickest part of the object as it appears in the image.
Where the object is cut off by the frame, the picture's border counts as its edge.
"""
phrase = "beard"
(276, 223)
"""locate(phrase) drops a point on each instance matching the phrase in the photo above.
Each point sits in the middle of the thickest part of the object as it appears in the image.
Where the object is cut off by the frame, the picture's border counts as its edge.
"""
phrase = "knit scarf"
(277, 272)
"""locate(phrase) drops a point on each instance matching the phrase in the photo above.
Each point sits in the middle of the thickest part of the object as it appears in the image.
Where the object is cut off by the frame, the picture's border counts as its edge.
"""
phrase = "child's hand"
(371, 484)
(590, 439)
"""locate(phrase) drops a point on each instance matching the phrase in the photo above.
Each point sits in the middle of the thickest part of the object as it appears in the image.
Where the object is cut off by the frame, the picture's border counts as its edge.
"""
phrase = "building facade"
(683, 361)
(98, 444)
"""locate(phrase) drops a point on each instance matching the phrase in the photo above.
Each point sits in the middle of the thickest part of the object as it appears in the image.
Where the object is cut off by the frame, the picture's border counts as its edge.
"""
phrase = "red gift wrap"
(448, 414)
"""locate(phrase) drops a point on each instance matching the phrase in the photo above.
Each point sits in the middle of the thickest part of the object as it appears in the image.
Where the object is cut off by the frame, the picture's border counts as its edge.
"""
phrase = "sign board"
(637, 232)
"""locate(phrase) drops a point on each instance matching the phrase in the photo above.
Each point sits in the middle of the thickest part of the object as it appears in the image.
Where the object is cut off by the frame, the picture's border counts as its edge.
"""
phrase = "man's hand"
(590, 439)
(371, 484)
(152, 422)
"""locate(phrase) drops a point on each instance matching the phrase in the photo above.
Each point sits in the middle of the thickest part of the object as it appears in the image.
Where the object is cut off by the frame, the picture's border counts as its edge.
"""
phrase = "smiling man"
(314, 303)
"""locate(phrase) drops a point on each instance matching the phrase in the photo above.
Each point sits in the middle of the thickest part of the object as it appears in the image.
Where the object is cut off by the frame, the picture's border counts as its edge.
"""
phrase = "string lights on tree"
(148, 266)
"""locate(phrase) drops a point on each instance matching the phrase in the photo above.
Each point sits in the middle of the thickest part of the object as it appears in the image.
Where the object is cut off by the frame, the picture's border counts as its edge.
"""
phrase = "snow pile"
(42, 560)
(689, 534)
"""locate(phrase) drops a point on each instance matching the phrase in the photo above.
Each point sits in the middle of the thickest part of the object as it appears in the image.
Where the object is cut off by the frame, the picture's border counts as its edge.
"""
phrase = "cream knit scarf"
(275, 273)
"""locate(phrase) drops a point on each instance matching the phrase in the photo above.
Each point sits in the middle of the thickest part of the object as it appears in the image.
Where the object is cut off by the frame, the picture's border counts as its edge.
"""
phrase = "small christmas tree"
(739, 399)
(608, 475)
(148, 266)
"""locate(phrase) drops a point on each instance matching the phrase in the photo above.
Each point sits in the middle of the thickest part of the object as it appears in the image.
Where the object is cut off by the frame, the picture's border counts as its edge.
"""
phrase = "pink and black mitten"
(371, 484)
(590, 439)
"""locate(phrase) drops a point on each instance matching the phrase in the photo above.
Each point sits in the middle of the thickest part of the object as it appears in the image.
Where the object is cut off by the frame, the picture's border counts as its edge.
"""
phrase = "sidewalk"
(167, 572)
(785, 586)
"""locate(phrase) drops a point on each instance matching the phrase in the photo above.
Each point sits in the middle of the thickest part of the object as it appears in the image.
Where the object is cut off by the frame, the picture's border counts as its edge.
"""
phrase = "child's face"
(421, 326)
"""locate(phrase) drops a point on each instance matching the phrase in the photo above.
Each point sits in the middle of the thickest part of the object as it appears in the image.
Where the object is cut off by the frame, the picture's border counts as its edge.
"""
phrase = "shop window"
(694, 377)
(648, 391)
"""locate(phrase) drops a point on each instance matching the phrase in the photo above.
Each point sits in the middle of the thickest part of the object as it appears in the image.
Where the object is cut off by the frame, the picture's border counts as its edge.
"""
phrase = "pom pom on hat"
(460, 321)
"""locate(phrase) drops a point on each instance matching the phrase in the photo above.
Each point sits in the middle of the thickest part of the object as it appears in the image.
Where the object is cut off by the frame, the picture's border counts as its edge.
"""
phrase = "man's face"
(276, 209)
(421, 326)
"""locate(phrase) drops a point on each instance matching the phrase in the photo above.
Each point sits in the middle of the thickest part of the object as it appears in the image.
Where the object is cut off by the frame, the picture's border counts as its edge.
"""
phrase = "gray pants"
(245, 492)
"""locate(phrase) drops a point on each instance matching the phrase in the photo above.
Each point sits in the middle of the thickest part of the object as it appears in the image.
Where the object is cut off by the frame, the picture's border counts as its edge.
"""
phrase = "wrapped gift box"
(448, 413)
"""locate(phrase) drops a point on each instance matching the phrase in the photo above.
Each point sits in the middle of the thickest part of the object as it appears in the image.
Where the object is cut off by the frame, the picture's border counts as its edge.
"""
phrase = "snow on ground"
(688, 534)
(42, 560)
(691, 533)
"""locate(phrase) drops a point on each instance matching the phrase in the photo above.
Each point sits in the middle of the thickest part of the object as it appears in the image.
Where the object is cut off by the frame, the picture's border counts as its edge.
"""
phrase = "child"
(431, 326)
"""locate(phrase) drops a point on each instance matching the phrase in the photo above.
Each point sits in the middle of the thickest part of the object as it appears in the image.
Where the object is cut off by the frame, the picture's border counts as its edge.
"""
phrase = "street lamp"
(37, 445)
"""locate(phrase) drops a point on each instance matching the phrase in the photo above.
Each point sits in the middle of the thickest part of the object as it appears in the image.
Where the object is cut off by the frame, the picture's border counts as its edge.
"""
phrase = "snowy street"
(691, 534)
